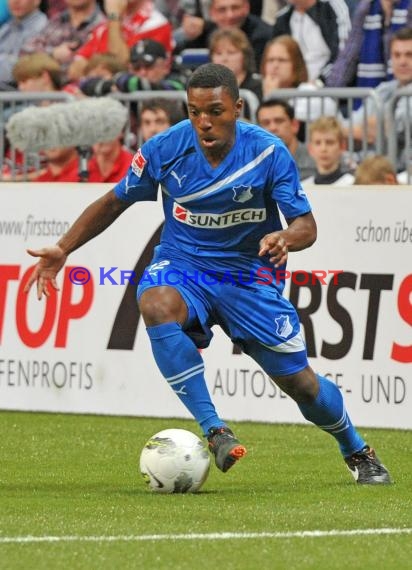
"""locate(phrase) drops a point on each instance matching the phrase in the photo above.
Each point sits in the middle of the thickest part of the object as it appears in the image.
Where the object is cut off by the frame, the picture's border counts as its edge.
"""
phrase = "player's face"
(213, 114)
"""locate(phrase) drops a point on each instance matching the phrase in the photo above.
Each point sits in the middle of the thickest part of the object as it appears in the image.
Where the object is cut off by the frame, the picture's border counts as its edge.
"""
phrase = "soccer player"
(222, 180)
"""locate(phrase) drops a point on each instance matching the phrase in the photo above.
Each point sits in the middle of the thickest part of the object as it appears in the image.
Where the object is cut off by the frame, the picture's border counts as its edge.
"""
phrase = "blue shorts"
(233, 294)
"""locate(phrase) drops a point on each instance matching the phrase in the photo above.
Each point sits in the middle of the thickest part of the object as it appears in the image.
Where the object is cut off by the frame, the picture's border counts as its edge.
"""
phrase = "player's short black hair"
(211, 75)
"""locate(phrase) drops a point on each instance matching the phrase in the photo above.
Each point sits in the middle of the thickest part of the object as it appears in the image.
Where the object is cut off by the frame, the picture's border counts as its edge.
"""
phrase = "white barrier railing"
(348, 95)
(387, 136)
(397, 150)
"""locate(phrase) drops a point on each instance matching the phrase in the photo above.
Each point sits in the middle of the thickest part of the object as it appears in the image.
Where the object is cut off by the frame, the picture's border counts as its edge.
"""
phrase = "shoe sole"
(384, 480)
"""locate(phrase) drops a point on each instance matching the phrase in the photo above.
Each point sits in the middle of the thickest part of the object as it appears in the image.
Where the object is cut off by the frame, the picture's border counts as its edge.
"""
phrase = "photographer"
(149, 70)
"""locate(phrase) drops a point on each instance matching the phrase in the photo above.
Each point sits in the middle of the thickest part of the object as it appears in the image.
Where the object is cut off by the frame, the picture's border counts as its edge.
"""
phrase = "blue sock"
(180, 363)
(328, 412)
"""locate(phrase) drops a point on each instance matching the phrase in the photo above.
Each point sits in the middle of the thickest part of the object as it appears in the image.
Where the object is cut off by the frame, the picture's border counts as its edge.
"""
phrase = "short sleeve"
(140, 183)
(287, 190)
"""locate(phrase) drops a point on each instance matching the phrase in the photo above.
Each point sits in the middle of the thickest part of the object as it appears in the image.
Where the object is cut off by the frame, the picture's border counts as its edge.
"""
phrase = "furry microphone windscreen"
(83, 122)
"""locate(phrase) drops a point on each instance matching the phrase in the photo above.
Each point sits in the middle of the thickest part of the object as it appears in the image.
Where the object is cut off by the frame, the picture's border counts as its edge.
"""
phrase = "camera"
(96, 86)
(123, 82)
(129, 82)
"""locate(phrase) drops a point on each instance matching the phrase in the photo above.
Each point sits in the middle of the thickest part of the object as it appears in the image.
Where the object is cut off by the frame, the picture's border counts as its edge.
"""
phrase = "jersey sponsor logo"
(242, 193)
(217, 221)
(180, 213)
(138, 163)
(283, 326)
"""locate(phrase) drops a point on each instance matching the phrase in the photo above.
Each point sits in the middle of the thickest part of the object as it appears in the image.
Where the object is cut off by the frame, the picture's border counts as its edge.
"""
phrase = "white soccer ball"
(174, 461)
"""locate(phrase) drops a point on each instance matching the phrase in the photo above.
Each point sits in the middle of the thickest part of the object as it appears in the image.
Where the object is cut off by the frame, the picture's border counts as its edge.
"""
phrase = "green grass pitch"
(71, 497)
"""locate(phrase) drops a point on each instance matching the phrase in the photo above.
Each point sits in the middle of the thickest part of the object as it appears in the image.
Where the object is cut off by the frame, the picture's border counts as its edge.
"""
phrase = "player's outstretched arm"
(300, 234)
(93, 220)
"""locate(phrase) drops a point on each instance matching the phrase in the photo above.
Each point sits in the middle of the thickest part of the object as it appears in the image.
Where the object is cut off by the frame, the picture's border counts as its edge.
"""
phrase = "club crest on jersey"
(242, 193)
(211, 220)
(138, 163)
(283, 326)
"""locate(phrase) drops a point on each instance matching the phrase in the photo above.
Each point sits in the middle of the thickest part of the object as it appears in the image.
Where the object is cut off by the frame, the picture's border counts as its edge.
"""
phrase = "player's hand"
(275, 245)
(51, 261)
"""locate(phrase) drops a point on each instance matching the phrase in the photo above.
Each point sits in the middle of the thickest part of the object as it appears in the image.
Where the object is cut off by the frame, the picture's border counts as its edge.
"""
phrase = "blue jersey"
(216, 211)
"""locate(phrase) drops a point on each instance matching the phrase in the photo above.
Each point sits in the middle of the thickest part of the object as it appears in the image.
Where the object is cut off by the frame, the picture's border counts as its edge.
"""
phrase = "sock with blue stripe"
(328, 412)
(180, 363)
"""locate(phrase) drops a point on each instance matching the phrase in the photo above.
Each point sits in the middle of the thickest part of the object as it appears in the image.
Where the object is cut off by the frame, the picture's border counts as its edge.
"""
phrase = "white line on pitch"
(205, 536)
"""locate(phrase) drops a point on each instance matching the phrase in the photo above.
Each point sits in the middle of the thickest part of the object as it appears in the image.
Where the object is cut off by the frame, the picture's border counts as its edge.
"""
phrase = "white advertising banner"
(85, 349)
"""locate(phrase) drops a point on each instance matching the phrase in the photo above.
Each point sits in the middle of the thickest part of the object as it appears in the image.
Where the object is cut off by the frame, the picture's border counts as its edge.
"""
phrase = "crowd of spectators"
(96, 48)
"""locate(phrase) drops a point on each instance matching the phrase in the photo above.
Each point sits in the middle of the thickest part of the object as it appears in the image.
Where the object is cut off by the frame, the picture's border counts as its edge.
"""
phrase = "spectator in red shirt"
(62, 165)
(110, 161)
(128, 22)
